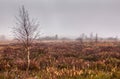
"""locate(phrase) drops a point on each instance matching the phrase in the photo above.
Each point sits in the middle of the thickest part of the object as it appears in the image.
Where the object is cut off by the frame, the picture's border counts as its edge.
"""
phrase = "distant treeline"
(82, 38)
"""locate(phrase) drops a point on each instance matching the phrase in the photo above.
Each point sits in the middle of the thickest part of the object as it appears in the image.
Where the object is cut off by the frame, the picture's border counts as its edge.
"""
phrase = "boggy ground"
(61, 60)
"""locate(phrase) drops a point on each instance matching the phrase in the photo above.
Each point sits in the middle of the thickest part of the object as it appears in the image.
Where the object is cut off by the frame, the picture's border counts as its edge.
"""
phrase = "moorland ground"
(61, 60)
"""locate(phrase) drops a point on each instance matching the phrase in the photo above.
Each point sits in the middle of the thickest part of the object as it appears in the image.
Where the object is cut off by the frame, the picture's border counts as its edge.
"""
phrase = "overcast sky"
(65, 17)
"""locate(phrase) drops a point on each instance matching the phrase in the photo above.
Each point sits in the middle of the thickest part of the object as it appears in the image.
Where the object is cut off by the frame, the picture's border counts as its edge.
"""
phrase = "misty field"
(61, 60)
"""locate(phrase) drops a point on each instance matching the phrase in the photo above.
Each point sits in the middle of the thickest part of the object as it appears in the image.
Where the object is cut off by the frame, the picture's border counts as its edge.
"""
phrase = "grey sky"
(65, 17)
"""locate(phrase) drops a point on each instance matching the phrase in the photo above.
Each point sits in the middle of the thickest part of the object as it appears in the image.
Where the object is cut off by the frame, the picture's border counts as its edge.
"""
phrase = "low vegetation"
(61, 60)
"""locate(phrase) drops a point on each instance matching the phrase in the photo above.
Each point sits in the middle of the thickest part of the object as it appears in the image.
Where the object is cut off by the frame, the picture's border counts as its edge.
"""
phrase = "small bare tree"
(96, 38)
(26, 31)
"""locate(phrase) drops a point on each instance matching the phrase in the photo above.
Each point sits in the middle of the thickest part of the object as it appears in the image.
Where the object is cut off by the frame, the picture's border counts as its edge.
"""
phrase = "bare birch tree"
(26, 31)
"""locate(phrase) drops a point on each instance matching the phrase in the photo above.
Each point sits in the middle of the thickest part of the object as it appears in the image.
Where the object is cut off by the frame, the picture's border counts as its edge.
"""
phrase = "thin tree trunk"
(28, 58)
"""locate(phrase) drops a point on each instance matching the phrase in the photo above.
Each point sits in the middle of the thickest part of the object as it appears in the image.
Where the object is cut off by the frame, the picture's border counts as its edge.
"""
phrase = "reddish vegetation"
(62, 58)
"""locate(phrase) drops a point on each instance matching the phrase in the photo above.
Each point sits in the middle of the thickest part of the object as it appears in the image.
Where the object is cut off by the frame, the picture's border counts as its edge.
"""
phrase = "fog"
(68, 18)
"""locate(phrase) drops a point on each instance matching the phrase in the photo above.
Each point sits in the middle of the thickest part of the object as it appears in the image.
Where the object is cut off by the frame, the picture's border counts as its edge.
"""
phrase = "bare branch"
(26, 29)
